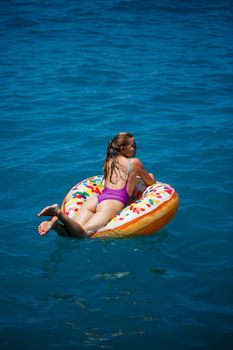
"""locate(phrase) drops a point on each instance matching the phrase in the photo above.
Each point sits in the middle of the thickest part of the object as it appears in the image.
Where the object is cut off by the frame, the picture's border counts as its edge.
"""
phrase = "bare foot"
(52, 210)
(46, 226)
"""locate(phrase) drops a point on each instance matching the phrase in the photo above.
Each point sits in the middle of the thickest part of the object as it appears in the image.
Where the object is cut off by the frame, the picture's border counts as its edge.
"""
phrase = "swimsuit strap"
(128, 170)
(127, 175)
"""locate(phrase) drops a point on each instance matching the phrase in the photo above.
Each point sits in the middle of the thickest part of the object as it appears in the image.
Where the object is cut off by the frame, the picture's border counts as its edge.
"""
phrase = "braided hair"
(113, 152)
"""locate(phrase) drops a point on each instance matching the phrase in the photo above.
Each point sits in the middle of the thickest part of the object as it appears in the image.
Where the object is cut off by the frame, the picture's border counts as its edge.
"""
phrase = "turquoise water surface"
(73, 73)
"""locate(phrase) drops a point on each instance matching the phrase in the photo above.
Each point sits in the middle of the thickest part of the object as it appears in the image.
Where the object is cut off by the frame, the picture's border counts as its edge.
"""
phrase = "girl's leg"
(71, 226)
(52, 224)
(98, 217)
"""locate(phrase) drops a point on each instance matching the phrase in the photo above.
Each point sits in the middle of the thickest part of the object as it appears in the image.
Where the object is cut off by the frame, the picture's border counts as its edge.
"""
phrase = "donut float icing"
(149, 209)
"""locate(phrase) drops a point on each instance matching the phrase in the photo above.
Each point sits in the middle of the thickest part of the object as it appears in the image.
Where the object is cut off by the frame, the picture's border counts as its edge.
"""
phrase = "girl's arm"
(147, 178)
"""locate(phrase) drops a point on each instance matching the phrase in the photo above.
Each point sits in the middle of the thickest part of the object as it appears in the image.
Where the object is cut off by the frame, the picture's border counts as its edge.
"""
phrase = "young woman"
(120, 172)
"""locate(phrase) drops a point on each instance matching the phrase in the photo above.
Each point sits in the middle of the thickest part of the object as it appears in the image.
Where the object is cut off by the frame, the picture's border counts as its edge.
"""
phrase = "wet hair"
(114, 150)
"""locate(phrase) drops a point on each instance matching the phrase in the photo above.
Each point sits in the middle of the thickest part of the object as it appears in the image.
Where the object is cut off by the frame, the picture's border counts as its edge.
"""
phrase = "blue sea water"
(73, 73)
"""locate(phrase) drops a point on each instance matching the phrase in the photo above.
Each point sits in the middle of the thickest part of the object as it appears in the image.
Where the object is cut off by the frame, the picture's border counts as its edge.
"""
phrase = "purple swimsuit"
(119, 195)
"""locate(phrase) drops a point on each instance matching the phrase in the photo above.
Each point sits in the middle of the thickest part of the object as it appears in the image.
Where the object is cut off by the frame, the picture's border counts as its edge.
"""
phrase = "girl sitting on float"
(121, 169)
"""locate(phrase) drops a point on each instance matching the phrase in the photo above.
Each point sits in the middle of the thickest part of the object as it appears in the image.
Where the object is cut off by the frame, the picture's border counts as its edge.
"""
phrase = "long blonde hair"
(114, 150)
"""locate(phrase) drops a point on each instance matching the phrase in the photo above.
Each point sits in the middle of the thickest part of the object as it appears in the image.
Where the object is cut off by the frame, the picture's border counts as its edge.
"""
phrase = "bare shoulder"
(136, 163)
(140, 171)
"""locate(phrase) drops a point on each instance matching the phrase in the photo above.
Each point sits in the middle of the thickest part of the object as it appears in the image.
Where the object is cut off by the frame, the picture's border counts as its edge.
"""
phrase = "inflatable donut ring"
(150, 208)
